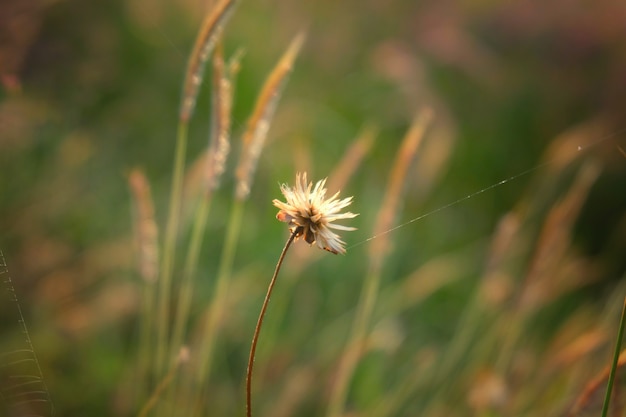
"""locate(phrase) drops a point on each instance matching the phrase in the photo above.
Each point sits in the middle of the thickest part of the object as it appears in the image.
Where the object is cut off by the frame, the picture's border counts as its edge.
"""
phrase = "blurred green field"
(503, 303)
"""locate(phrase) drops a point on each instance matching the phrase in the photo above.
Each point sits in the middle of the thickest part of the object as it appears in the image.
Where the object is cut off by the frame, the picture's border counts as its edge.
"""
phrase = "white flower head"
(307, 212)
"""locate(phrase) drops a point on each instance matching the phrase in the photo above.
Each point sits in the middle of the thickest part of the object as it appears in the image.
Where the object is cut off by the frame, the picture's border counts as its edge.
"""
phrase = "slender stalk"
(378, 249)
(169, 248)
(205, 41)
(259, 323)
(191, 263)
(147, 244)
(618, 347)
(260, 120)
(354, 348)
(216, 306)
(183, 356)
(215, 309)
(148, 301)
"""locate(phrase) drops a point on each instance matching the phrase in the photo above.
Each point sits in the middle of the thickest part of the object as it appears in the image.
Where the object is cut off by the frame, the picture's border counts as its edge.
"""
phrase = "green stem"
(259, 323)
(169, 249)
(149, 296)
(187, 283)
(191, 263)
(618, 347)
(354, 347)
(218, 300)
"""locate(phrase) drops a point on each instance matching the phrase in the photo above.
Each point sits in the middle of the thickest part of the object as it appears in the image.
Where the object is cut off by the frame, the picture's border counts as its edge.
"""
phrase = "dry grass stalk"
(253, 144)
(488, 393)
(298, 387)
(146, 241)
(496, 285)
(577, 349)
(553, 269)
(387, 213)
(205, 41)
(204, 175)
(378, 249)
(259, 122)
(146, 230)
(502, 241)
(183, 356)
(207, 173)
(543, 282)
(590, 399)
(568, 146)
(196, 181)
(222, 101)
(423, 362)
(425, 281)
(352, 158)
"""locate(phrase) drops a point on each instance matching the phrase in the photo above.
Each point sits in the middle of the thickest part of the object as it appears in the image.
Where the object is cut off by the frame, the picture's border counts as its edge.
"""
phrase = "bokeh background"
(90, 90)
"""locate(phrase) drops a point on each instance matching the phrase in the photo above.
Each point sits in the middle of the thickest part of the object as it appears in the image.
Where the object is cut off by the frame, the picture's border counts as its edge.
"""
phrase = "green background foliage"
(92, 89)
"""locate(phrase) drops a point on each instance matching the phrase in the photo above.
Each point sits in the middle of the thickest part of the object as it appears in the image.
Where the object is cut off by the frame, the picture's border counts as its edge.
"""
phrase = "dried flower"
(310, 215)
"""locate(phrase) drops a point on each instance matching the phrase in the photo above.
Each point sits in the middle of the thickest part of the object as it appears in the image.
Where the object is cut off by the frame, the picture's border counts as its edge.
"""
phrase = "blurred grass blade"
(544, 281)
(388, 211)
(213, 167)
(259, 122)
(593, 394)
(378, 251)
(221, 107)
(183, 356)
(352, 158)
(253, 139)
(614, 364)
(146, 229)
(146, 238)
(205, 41)
(554, 240)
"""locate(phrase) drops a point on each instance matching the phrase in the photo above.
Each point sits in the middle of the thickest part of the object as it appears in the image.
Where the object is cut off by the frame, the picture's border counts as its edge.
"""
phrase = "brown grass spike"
(207, 37)
(259, 122)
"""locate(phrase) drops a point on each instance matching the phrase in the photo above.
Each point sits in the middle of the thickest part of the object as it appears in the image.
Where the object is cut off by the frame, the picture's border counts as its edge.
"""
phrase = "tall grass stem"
(208, 35)
(216, 306)
(189, 271)
(147, 246)
(205, 42)
(616, 355)
(169, 249)
(378, 251)
(183, 356)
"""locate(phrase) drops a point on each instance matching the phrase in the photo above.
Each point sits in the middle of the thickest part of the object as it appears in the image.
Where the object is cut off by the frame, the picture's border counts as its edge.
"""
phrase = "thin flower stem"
(618, 347)
(259, 323)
